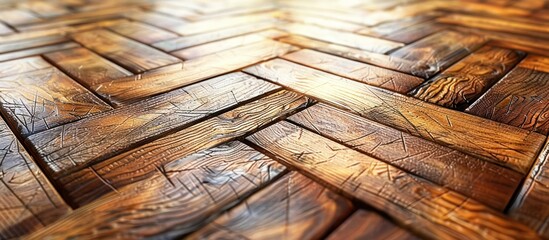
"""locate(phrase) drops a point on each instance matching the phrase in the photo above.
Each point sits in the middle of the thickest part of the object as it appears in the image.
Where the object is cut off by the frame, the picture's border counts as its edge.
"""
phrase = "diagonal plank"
(38, 100)
(134, 88)
(508, 146)
(369, 225)
(90, 183)
(519, 99)
(142, 32)
(135, 56)
(481, 180)
(27, 201)
(432, 211)
(365, 73)
(182, 196)
(465, 81)
(65, 148)
(293, 207)
(22, 65)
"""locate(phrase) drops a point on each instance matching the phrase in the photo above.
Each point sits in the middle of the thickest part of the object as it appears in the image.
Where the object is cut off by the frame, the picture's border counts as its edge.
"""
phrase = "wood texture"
(466, 80)
(520, 98)
(27, 201)
(181, 195)
(294, 207)
(420, 205)
(369, 225)
(511, 147)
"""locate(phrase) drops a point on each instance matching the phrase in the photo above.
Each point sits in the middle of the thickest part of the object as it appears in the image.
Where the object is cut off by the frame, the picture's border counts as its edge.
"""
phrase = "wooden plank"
(68, 147)
(481, 180)
(520, 98)
(134, 56)
(293, 207)
(193, 40)
(521, 26)
(131, 89)
(439, 50)
(30, 43)
(87, 68)
(157, 20)
(461, 84)
(322, 22)
(42, 99)
(22, 65)
(88, 184)
(530, 206)
(369, 225)
(430, 210)
(142, 32)
(27, 201)
(5, 30)
(365, 73)
(508, 146)
(342, 38)
(217, 24)
(16, 17)
(377, 59)
(36, 51)
(226, 44)
(181, 196)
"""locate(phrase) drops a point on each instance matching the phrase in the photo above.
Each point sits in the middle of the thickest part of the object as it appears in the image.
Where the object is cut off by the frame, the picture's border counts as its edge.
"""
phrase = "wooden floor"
(274, 119)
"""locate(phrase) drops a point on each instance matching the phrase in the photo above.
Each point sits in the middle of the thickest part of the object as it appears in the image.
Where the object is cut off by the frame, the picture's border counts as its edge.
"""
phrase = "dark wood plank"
(90, 183)
(439, 50)
(131, 89)
(481, 180)
(508, 146)
(142, 32)
(67, 147)
(520, 98)
(430, 210)
(530, 206)
(181, 196)
(365, 224)
(365, 73)
(461, 84)
(293, 207)
(42, 99)
(132, 55)
(88, 68)
(27, 201)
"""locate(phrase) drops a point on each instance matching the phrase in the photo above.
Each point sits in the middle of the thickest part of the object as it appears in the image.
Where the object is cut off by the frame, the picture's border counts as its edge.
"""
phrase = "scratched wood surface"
(274, 119)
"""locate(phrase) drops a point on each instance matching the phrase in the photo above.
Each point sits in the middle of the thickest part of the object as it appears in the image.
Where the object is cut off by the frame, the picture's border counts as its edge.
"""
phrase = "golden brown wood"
(466, 80)
(42, 99)
(182, 195)
(433, 211)
(520, 98)
(142, 32)
(139, 163)
(68, 147)
(27, 201)
(508, 146)
(369, 225)
(294, 207)
(481, 180)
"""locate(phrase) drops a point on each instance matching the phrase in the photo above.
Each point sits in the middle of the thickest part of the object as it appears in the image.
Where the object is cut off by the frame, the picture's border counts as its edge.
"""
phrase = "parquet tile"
(274, 119)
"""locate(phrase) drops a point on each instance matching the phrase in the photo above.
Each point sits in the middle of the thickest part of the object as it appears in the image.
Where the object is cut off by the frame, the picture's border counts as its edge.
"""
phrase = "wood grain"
(27, 201)
(431, 211)
(365, 73)
(481, 180)
(440, 50)
(293, 207)
(134, 56)
(90, 183)
(520, 98)
(142, 32)
(70, 146)
(465, 81)
(215, 24)
(38, 100)
(22, 65)
(131, 89)
(182, 195)
(365, 224)
(507, 146)
(38, 50)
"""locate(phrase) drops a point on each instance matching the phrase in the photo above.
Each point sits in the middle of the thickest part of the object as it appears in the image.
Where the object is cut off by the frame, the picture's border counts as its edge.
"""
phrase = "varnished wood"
(420, 205)
(294, 207)
(369, 225)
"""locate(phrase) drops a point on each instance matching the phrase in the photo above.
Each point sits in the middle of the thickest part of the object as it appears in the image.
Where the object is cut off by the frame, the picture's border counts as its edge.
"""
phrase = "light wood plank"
(142, 32)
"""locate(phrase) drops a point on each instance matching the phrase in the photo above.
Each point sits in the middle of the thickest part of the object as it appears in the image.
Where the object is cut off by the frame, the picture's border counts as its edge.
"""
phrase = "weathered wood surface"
(508, 146)
(412, 201)
(369, 225)
(27, 201)
(294, 207)
(177, 200)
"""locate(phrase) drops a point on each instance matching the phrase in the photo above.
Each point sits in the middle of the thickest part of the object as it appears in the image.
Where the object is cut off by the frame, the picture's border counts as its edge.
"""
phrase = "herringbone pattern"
(274, 119)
